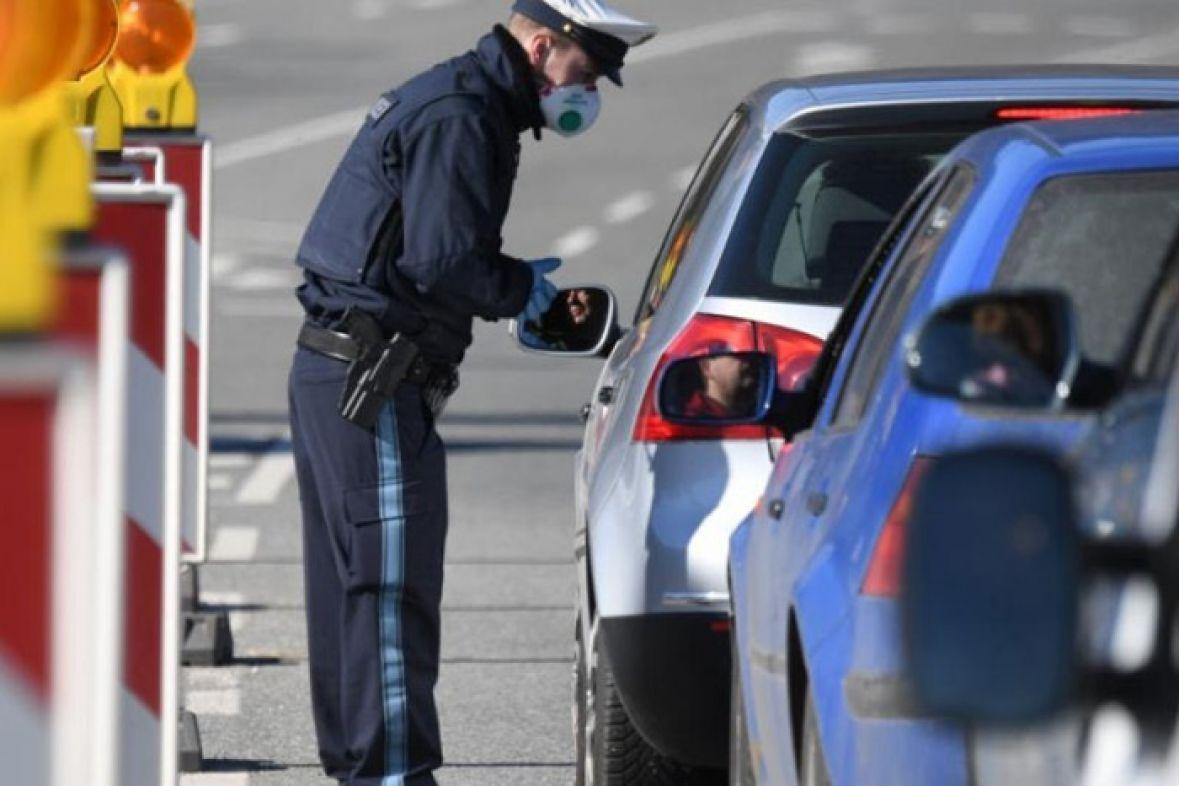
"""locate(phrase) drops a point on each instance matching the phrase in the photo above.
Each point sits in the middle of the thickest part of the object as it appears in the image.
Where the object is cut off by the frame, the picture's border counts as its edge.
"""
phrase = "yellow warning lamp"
(156, 38)
(45, 171)
(92, 98)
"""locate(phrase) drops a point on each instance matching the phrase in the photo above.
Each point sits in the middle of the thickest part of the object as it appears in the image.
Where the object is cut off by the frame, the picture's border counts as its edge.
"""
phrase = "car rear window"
(1103, 239)
(815, 210)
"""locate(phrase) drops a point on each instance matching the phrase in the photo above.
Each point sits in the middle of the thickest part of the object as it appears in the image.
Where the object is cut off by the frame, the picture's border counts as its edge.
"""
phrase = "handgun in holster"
(377, 371)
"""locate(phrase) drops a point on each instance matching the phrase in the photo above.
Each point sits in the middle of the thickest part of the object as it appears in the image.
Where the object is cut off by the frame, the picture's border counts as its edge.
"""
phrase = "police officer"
(403, 251)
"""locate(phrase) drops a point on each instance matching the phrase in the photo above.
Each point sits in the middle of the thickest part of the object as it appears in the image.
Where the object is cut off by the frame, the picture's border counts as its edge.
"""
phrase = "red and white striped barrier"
(188, 163)
(150, 161)
(61, 545)
(147, 223)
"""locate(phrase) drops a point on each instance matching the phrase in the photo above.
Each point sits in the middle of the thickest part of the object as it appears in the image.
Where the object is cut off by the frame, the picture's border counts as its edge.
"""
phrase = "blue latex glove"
(543, 291)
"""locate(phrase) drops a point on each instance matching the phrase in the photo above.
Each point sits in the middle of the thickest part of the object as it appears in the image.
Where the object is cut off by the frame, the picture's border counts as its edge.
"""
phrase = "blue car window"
(683, 226)
(881, 333)
(1103, 239)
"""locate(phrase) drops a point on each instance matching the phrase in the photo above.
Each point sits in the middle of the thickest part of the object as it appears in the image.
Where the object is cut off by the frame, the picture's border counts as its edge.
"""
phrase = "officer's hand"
(543, 291)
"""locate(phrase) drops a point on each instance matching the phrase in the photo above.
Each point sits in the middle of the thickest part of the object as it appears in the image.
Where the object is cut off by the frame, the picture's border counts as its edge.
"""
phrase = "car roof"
(1145, 137)
(776, 102)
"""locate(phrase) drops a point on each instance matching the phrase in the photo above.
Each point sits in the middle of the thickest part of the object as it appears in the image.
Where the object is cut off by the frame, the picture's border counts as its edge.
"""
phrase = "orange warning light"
(156, 35)
(104, 33)
(38, 44)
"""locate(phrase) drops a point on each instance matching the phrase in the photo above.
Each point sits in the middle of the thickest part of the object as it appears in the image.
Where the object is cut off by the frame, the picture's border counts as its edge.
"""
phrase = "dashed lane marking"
(260, 279)
(321, 129)
(234, 544)
(577, 242)
(629, 207)
(220, 482)
(219, 36)
(266, 482)
(900, 24)
(827, 56)
(369, 10)
(224, 265)
(224, 461)
(999, 23)
(214, 702)
(215, 779)
(1099, 26)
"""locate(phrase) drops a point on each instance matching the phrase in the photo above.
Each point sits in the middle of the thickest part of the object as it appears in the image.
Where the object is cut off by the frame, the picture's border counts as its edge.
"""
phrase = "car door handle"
(816, 503)
(606, 395)
(776, 508)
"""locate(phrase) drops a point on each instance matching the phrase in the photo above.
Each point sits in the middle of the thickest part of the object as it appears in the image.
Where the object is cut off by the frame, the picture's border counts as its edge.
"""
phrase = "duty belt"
(376, 367)
(342, 347)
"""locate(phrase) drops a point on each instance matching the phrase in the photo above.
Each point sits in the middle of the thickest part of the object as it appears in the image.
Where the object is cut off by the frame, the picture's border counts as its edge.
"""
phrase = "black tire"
(813, 764)
(621, 757)
(740, 763)
(581, 717)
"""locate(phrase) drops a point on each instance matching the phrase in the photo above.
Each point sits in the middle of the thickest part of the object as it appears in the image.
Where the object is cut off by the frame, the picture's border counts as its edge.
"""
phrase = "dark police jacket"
(409, 226)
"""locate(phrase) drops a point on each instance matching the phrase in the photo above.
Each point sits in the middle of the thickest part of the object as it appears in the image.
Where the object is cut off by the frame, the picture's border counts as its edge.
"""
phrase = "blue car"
(1089, 208)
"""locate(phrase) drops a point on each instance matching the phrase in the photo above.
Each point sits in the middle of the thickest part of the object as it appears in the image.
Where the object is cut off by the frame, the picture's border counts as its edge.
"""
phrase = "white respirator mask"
(570, 110)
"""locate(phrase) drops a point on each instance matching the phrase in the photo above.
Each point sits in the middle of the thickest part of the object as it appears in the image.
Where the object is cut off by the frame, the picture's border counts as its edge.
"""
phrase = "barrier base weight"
(208, 641)
(189, 743)
(190, 588)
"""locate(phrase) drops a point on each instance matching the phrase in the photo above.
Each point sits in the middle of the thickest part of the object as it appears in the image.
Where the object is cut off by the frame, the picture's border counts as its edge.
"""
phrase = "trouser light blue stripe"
(393, 578)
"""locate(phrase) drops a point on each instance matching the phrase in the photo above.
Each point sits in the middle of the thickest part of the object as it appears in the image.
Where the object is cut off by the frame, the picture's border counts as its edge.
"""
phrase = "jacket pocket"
(377, 517)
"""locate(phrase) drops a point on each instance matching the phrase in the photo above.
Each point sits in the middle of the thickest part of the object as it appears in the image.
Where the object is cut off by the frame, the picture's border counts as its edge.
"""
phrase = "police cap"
(604, 33)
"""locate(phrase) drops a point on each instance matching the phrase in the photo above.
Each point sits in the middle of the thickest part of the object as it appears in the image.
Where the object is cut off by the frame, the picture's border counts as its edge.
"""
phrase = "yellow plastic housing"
(148, 71)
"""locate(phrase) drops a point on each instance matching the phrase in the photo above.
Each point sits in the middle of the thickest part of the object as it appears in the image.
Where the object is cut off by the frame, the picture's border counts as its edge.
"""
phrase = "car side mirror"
(990, 587)
(1012, 349)
(719, 389)
(580, 323)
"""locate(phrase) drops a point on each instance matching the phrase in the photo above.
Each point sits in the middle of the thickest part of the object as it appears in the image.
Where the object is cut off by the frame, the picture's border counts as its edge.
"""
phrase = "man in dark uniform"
(401, 254)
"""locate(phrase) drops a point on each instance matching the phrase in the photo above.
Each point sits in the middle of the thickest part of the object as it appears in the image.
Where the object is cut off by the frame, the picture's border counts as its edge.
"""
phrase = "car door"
(786, 526)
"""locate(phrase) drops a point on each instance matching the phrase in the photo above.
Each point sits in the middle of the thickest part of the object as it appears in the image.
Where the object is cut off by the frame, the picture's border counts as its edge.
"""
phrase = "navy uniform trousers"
(374, 531)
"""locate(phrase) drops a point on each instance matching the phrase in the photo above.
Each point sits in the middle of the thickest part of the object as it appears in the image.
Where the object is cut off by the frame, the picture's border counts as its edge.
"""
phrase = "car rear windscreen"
(816, 208)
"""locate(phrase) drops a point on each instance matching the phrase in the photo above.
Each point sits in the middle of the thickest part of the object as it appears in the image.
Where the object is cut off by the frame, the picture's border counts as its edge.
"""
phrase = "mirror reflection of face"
(730, 381)
(578, 303)
(1011, 353)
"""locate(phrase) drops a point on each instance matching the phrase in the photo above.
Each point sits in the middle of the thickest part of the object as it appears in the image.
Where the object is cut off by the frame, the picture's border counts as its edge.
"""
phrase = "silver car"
(792, 196)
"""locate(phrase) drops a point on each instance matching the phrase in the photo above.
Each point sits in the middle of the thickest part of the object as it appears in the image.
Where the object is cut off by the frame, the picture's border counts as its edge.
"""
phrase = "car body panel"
(809, 568)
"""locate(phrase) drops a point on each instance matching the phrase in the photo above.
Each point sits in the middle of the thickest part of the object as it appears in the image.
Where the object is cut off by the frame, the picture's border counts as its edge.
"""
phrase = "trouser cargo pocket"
(377, 517)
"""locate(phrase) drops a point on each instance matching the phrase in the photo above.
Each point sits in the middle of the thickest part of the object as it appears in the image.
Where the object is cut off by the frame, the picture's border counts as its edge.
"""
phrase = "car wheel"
(814, 763)
(619, 754)
(740, 765)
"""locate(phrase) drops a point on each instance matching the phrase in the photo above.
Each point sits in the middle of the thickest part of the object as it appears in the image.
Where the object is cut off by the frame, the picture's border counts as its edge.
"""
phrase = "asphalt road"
(282, 83)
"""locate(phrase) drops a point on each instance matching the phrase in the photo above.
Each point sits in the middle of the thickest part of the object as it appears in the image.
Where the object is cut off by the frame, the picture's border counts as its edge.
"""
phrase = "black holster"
(376, 372)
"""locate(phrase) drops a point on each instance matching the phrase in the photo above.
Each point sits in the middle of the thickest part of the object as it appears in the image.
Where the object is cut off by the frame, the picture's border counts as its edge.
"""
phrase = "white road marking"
(429, 5)
(999, 23)
(900, 24)
(1099, 26)
(219, 482)
(206, 678)
(214, 702)
(262, 279)
(224, 264)
(214, 598)
(577, 242)
(369, 10)
(629, 207)
(284, 233)
(215, 779)
(828, 56)
(321, 129)
(234, 544)
(1141, 50)
(218, 36)
(683, 178)
(733, 30)
(224, 461)
(290, 138)
(266, 482)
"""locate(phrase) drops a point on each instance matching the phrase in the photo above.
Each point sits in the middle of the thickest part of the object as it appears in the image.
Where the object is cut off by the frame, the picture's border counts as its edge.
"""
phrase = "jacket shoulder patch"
(381, 108)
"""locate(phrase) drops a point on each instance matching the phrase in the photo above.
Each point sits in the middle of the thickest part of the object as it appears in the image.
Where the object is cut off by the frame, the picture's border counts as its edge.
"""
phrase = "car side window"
(1157, 354)
(837, 340)
(882, 331)
(683, 226)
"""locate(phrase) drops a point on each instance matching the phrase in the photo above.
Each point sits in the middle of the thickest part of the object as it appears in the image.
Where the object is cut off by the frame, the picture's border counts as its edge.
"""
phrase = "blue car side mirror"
(1009, 349)
(991, 587)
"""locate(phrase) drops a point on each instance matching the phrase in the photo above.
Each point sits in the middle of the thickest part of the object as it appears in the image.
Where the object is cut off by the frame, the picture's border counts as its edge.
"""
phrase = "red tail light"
(796, 353)
(1062, 112)
(884, 571)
